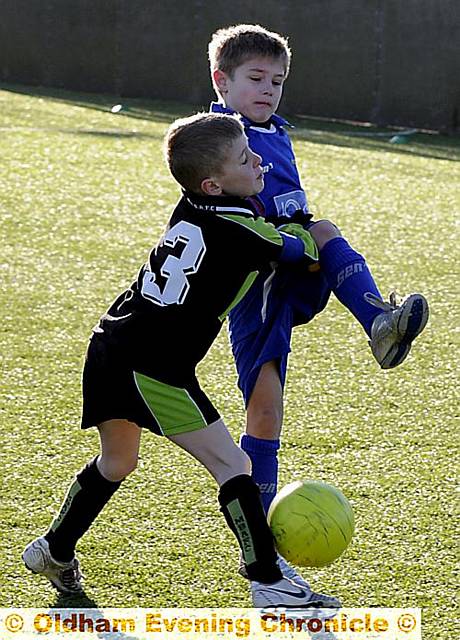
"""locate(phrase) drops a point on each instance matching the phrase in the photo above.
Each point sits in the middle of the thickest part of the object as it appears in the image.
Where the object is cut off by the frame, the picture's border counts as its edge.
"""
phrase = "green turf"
(80, 189)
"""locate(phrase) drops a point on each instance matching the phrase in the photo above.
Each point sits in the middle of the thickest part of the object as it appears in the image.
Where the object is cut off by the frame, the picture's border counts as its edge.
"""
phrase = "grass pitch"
(84, 195)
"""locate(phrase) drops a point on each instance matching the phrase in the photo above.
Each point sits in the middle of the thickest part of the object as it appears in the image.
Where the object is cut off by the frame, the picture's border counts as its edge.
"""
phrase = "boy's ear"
(210, 187)
(220, 80)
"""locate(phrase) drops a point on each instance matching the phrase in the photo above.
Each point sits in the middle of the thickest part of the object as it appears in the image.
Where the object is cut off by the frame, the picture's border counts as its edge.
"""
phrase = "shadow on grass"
(137, 108)
(313, 130)
(77, 603)
(74, 601)
(107, 133)
(371, 138)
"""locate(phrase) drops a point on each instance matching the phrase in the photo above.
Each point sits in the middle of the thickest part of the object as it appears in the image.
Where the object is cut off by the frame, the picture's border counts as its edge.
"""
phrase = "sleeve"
(293, 248)
(264, 243)
(309, 248)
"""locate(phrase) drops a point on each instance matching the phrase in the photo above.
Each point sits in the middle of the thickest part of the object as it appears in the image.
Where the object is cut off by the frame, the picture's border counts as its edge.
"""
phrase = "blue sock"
(349, 278)
(264, 458)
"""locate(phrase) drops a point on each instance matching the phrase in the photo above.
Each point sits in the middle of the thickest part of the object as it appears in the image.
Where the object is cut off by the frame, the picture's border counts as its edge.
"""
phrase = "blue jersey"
(261, 324)
(283, 193)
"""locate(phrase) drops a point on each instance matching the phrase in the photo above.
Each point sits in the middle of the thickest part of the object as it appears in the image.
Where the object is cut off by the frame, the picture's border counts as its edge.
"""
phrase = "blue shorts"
(260, 326)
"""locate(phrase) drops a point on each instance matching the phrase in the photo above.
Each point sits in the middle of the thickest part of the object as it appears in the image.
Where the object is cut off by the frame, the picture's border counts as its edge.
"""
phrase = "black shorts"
(155, 399)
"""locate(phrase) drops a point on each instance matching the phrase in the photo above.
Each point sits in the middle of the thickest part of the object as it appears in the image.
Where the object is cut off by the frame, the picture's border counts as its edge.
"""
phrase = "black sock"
(85, 499)
(242, 507)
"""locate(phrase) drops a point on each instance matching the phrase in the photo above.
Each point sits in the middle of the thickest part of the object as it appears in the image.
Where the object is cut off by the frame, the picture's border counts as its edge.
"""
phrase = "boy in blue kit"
(140, 365)
(249, 66)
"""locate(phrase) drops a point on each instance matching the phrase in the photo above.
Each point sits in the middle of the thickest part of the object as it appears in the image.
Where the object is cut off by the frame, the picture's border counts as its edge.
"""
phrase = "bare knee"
(120, 442)
(265, 407)
(323, 231)
(264, 420)
(116, 468)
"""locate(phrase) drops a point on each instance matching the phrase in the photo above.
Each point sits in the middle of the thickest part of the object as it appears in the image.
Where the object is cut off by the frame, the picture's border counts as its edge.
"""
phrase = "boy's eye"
(245, 159)
(276, 83)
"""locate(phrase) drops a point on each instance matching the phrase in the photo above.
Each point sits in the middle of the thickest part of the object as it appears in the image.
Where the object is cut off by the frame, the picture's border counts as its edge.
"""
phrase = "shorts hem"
(142, 424)
(184, 428)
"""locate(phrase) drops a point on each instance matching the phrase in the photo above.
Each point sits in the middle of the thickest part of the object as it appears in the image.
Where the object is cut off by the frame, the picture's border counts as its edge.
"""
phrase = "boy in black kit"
(140, 366)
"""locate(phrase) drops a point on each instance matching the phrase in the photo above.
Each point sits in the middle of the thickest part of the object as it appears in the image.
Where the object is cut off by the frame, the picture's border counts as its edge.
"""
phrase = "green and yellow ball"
(312, 523)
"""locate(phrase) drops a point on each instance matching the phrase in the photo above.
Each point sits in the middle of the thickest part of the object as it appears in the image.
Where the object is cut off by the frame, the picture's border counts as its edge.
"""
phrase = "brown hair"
(196, 147)
(231, 47)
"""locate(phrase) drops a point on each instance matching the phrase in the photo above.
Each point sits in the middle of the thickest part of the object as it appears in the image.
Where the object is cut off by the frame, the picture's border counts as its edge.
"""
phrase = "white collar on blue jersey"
(276, 122)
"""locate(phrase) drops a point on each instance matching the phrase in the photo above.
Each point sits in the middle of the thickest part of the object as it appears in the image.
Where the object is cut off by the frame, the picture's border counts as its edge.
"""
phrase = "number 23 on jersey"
(175, 269)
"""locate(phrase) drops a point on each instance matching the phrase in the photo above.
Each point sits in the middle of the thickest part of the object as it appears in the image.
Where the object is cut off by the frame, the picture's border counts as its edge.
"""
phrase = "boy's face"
(256, 87)
(241, 174)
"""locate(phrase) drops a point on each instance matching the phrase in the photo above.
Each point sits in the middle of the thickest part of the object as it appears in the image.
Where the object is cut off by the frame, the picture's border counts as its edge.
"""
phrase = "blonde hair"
(231, 47)
(196, 147)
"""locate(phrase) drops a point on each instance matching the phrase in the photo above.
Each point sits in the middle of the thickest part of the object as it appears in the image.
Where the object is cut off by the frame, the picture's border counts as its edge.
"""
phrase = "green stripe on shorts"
(172, 407)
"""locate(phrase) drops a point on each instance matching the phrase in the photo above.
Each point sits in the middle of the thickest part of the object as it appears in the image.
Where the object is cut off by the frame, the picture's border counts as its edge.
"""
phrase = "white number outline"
(176, 269)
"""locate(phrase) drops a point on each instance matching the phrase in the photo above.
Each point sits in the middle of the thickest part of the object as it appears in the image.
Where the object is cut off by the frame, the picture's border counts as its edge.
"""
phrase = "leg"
(265, 408)
(347, 273)
(263, 427)
(390, 327)
(239, 496)
(120, 442)
(94, 486)
(240, 503)
(323, 231)
(216, 450)
(54, 554)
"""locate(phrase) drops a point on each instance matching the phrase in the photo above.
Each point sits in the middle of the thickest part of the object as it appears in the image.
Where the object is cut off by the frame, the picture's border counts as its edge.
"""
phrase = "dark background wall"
(385, 61)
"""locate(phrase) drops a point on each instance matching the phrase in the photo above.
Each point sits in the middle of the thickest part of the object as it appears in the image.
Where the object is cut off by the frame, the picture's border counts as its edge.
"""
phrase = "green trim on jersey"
(296, 230)
(244, 534)
(258, 225)
(241, 293)
(172, 407)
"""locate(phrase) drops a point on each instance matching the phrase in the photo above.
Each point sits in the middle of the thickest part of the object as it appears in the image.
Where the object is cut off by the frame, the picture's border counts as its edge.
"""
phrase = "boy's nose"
(268, 89)
(257, 159)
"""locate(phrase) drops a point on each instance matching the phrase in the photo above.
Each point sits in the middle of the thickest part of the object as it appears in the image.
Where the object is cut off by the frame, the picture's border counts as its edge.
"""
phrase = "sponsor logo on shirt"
(287, 203)
(266, 168)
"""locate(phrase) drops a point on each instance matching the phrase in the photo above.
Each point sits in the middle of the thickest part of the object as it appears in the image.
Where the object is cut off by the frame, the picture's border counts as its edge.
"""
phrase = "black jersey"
(206, 260)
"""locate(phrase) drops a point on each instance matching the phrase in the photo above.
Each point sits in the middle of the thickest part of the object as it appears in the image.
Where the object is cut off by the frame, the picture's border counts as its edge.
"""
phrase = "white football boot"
(291, 573)
(65, 576)
(285, 568)
(396, 327)
(287, 594)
